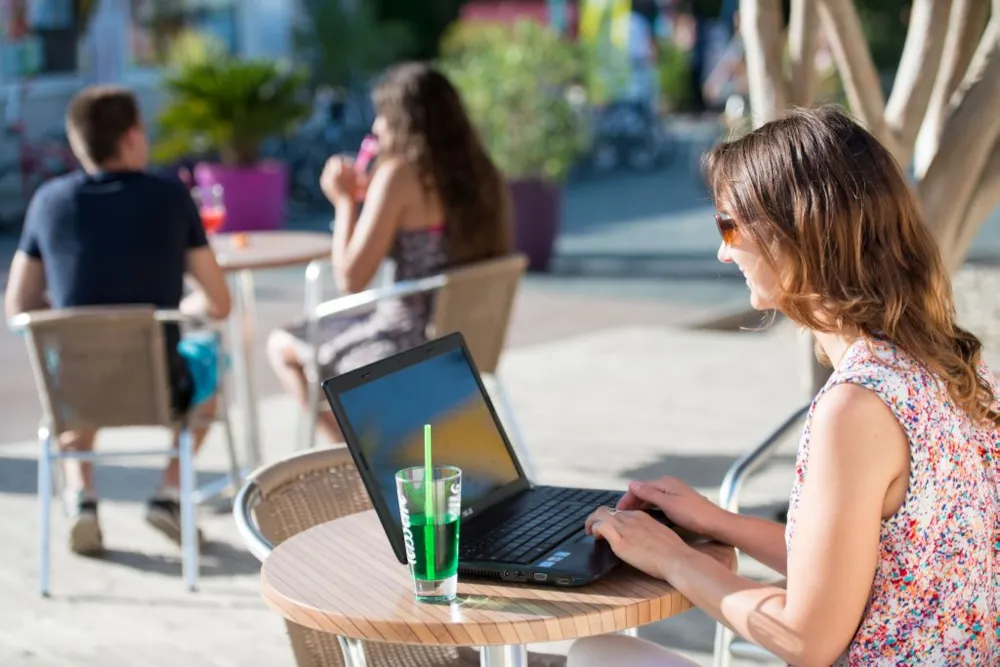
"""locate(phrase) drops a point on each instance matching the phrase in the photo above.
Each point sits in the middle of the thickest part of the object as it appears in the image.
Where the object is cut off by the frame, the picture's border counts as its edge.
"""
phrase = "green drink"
(430, 509)
(444, 548)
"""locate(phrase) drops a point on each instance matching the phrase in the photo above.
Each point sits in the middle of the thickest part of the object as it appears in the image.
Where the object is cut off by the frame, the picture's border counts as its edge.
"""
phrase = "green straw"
(429, 514)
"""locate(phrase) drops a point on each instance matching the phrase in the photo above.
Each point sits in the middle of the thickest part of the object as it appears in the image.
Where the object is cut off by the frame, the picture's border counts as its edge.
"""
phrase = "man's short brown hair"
(97, 119)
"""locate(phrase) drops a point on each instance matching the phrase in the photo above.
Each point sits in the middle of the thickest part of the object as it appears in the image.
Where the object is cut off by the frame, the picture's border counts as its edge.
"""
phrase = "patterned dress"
(935, 599)
(394, 325)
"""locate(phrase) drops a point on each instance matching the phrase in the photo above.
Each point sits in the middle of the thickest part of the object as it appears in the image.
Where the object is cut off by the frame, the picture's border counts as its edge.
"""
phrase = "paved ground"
(609, 383)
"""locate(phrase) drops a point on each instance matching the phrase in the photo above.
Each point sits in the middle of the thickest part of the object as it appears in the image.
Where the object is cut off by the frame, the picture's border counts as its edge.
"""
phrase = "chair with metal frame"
(729, 499)
(475, 299)
(100, 367)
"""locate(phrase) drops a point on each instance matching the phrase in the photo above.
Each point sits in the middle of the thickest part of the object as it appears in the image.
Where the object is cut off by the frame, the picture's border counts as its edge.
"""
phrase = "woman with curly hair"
(891, 552)
(434, 201)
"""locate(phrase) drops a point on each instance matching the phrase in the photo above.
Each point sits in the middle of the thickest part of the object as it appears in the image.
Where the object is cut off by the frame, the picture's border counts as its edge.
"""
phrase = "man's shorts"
(196, 378)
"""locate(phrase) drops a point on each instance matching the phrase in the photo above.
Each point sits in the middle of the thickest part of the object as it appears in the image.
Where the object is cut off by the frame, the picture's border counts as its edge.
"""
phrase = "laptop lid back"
(382, 409)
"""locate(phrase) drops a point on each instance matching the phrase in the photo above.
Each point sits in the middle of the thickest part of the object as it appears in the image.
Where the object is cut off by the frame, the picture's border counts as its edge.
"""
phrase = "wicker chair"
(307, 489)
(476, 300)
(103, 368)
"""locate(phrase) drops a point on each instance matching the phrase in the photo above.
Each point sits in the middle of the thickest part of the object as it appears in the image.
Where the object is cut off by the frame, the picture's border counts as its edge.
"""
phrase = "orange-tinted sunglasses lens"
(727, 229)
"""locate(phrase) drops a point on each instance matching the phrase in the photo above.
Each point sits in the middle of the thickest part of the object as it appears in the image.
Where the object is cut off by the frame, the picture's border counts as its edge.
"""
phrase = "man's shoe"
(164, 514)
(84, 531)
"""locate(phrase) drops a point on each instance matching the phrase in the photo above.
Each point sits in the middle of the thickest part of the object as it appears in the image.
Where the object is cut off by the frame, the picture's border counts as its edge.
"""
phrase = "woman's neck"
(835, 344)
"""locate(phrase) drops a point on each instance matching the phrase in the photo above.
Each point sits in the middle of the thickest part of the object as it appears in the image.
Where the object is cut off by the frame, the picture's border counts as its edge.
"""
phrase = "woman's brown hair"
(431, 129)
(829, 209)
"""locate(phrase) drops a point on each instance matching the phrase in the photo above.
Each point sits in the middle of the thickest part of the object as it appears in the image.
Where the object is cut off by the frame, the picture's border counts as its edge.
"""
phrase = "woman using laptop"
(434, 201)
(892, 547)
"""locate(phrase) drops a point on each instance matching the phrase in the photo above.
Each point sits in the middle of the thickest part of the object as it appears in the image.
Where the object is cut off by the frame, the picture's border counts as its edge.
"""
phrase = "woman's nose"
(725, 255)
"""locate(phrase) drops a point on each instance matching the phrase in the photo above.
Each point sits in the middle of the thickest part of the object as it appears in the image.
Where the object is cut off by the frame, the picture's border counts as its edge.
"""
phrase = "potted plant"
(220, 105)
(514, 81)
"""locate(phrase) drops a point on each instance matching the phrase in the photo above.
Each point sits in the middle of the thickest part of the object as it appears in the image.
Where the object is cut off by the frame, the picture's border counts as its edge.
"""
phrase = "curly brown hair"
(830, 211)
(430, 129)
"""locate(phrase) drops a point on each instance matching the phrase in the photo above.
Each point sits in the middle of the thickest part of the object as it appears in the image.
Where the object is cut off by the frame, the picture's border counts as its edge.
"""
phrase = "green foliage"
(675, 71)
(513, 80)
(885, 30)
(427, 21)
(343, 43)
(228, 105)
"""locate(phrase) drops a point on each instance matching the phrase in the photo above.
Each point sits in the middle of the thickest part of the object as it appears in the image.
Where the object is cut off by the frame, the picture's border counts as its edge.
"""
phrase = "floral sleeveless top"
(935, 599)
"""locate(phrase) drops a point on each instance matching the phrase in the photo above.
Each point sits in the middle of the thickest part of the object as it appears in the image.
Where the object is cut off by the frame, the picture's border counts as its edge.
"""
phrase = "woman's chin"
(759, 303)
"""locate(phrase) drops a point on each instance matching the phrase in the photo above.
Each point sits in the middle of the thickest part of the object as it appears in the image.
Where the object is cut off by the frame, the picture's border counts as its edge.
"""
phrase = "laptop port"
(541, 576)
(562, 581)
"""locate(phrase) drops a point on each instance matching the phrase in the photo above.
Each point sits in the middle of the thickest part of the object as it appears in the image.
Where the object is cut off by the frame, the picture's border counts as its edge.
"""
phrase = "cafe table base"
(503, 656)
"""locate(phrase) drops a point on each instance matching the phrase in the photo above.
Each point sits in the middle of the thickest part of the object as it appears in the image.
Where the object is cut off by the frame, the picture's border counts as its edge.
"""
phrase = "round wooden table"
(341, 577)
(240, 254)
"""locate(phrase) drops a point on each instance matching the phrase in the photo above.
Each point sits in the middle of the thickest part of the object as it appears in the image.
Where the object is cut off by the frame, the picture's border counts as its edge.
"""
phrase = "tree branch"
(912, 89)
(857, 69)
(965, 27)
(761, 27)
(985, 200)
(968, 136)
(803, 37)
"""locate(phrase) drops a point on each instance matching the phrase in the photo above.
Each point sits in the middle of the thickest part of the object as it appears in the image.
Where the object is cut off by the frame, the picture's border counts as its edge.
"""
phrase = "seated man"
(114, 234)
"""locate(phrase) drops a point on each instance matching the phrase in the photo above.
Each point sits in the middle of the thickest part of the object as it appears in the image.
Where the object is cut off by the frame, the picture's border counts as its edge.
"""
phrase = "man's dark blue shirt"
(114, 238)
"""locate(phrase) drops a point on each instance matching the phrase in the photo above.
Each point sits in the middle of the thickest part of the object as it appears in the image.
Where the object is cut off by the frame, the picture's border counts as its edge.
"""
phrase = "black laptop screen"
(388, 413)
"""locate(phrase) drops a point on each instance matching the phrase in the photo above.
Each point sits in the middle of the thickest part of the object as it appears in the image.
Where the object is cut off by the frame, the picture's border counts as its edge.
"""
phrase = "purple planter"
(255, 197)
(537, 210)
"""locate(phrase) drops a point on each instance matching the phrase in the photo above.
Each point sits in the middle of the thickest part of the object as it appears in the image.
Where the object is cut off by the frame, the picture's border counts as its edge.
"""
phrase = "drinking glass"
(430, 512)
(211, 207)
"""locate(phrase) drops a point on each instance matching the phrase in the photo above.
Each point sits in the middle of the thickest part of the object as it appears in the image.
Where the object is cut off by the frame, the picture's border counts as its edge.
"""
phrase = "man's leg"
(78, 494)
(163, 511)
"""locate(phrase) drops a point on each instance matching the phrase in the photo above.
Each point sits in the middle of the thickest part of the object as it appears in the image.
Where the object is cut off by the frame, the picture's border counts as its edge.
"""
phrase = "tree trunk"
(760, 24)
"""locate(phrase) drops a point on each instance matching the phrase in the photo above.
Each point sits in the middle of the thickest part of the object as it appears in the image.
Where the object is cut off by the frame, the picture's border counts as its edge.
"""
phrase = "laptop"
(512, 530)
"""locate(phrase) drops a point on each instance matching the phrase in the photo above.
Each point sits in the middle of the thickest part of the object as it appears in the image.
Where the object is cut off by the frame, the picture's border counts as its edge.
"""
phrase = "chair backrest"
(477, 301)
(99, 367)
(305, 490)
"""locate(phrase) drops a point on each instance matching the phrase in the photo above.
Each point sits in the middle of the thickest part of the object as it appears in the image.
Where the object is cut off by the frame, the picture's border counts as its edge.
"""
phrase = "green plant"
(674, 68)
(228, 105)
(513, 80)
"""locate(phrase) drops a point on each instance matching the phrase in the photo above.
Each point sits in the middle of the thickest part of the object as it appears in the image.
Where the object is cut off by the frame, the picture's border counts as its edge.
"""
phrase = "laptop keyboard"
(532, 533)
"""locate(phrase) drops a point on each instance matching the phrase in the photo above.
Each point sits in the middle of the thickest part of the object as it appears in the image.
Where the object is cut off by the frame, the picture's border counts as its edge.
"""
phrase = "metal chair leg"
(44, 509)
(189, 530)
(308, 416)
(222, 415)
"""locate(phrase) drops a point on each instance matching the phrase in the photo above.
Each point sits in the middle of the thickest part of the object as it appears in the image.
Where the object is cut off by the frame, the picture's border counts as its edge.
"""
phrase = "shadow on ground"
(698, 471)
(217, 559)
(114, 482)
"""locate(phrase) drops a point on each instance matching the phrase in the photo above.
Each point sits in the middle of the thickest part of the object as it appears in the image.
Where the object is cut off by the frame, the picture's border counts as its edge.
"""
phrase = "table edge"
(303, 615)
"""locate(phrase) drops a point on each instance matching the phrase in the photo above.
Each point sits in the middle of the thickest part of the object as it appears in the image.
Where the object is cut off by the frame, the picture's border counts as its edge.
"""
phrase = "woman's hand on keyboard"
(684, 506)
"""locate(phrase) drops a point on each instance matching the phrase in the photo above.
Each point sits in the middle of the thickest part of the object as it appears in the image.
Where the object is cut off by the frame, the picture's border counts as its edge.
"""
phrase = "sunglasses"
(727, 228)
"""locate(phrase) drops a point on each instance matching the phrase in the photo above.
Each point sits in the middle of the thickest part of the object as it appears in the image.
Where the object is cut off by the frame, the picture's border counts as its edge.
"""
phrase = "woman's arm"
(361, 243)
(762, 540)
(857, 450)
